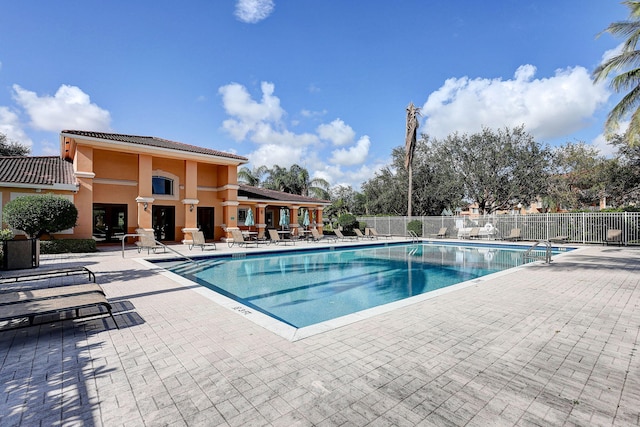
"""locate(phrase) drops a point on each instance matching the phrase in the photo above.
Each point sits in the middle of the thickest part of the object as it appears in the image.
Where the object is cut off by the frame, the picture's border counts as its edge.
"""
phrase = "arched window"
(162, 185)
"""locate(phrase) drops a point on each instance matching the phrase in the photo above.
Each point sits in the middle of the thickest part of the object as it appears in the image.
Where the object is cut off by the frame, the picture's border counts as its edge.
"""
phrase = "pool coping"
(292, 333)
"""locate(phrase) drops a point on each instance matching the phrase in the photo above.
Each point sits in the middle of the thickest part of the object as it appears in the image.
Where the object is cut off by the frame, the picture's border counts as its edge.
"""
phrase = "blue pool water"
(302, 288)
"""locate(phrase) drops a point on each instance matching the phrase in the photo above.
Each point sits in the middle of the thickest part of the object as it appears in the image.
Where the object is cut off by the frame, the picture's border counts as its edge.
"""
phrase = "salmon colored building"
(123, 182)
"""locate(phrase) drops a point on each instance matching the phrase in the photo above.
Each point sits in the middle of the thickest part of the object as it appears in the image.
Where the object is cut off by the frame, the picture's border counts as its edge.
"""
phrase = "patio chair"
(514, 235)
(474, 233)
(317, 237)
(275, 238)
(614, 236)
(147, 240)
(374, 232)
(41, 307)
(32, 294)
(442, 233)
(199, 240)
(359, 235)
(237, 238)
(340, 236)
(559, 239)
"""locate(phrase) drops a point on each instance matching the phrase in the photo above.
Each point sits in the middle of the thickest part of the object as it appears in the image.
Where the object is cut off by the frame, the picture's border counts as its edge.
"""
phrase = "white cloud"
(248, 114)
(69, 108)
(549, 107)
(10, 126)
(281, 155)
(252, 11)
(338, 132)
(354, 155)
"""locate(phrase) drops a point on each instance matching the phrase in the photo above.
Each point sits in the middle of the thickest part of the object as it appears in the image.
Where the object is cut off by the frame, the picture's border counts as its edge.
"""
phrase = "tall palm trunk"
(410, 145)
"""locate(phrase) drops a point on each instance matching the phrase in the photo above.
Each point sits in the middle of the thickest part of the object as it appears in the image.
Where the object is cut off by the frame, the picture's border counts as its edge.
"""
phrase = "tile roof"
(153, 141)
(38, 171)
(263, 193)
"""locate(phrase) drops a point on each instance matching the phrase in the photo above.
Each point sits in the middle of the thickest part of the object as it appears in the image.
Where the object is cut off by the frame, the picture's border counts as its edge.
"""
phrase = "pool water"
(302, 288)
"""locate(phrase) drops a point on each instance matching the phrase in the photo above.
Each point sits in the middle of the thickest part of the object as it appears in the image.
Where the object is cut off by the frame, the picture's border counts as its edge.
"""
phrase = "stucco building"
(123, 182)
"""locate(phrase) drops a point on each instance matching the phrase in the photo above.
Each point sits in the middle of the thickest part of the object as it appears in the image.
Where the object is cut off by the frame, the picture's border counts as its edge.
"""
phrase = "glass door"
(109, 222)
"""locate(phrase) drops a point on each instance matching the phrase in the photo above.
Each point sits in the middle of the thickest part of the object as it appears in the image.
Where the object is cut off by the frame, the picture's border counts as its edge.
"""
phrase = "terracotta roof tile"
(263, 193)
(153, 141)
(50, 170)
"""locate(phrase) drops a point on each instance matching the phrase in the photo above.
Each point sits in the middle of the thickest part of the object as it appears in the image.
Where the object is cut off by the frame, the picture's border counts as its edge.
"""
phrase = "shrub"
(415, 226)
(62, 246)
(348, 222)
(38, 215)
(6, 234)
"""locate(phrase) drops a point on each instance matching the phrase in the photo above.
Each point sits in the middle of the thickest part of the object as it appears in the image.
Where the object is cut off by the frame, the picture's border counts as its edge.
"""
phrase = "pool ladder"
(547, 253)
(414, 236)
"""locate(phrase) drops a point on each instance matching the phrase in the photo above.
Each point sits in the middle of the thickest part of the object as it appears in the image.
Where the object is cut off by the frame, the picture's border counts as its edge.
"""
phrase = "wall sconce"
(145, 205)
(191, 208)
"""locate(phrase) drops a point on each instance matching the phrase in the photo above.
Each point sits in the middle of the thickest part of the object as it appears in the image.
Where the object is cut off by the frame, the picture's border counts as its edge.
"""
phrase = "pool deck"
(544, 345)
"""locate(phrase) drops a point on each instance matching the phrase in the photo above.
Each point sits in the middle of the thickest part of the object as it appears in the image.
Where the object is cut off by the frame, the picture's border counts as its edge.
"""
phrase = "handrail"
(548, 249)
(414, 236)
(157, 242)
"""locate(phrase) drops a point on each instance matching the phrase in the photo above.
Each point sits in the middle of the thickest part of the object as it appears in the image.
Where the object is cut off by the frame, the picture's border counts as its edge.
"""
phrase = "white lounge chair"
(199, 240)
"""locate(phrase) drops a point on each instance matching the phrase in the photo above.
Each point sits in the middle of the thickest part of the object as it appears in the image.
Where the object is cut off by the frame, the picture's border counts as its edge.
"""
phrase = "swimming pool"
(304, 288)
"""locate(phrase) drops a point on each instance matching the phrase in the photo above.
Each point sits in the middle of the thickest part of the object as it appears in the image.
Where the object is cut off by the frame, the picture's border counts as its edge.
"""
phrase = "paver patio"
(544, 345)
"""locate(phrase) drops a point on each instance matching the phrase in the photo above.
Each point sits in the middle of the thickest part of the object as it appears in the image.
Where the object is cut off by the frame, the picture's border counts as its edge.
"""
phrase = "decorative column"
(145, 191)
(293, 217)
(83, 199)
(230, 215)
(261, 221)
(191, 200)
(319, 223)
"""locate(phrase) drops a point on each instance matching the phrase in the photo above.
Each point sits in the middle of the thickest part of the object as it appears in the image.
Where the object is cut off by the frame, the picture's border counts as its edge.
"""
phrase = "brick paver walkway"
(545, 345)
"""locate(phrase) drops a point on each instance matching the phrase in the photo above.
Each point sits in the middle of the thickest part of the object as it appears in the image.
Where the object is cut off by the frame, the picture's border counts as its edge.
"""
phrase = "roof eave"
(167, 152)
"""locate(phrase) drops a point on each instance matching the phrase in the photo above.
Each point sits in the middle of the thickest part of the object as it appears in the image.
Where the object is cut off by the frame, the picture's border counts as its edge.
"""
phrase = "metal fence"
(585, 227)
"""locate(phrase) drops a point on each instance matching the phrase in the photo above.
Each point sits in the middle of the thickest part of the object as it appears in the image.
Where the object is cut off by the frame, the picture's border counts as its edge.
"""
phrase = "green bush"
(41, 214)
(415, 226)
(63, 246)
(348, 222)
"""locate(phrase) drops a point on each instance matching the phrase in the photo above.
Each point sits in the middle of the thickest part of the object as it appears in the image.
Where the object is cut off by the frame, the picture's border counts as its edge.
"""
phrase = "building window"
(162, 185)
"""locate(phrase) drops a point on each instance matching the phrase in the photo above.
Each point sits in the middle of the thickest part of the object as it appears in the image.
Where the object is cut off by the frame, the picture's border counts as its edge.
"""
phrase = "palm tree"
(253, 176)
(625, 64)
(296, 180)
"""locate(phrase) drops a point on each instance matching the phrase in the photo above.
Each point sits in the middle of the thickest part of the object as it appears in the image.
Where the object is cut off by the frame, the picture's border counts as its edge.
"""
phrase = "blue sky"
(323, 84)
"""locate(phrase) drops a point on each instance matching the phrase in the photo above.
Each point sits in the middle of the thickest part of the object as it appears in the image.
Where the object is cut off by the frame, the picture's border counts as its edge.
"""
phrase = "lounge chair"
(359, 235)
(47, 273)
(23, 295)
(33, 308)
(340, 236)
(474, 233)
(275, 238)
(559, 239)
(237, 238)
(514, 235)
(374, 232)
(614, 236)
(442, 233)
(147, 240)
(317, 237)
(199, 240)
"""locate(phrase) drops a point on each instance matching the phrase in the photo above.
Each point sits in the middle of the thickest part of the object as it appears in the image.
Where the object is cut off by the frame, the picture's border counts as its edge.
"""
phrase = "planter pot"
(19, 254)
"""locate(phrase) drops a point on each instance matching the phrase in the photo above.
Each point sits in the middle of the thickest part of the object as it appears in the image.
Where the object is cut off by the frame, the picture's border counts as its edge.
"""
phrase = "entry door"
(109, 222)
(164, 222)
(205, 221)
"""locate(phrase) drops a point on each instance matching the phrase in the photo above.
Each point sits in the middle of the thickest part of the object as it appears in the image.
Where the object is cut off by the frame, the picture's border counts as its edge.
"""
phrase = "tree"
(498, 169)
(410, 143)
(253, 176)
(12, 148)
(625, 64)
(576, 178)
(296, 180)
(39, 215)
